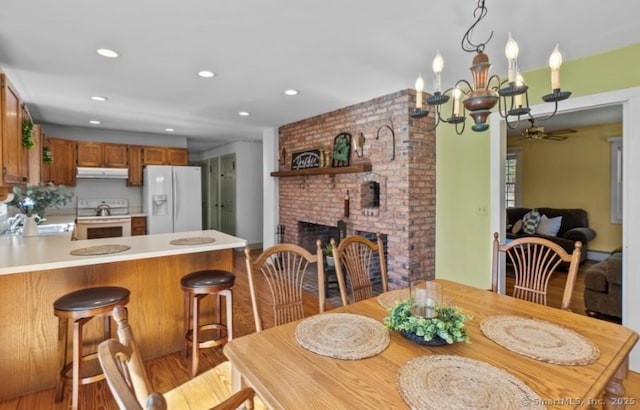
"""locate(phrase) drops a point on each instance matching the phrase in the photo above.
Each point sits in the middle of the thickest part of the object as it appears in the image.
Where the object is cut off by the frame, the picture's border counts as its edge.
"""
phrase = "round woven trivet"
(342, 335)
(194, 240)
(451, 382)
(388, 299)
(99, 250)
(540, 340)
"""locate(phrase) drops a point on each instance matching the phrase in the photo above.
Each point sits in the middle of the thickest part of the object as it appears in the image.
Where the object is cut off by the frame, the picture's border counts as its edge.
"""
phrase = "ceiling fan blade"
(565, 131)
(553, 137)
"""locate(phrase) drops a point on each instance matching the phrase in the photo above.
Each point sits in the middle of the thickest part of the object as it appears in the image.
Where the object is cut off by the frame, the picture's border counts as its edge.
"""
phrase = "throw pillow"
(530, 221)
(516, 227)
(549, 226)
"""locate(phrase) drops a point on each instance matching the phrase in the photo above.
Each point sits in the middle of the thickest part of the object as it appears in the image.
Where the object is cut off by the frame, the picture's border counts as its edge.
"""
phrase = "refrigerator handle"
(174, 188)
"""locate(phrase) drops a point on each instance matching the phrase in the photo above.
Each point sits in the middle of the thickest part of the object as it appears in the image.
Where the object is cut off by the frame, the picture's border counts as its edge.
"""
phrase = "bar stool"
(81, 306)
(196, 286)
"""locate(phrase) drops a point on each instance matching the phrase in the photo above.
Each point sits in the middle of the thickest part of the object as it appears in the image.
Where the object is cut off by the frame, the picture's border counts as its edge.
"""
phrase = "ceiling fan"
(534, 132)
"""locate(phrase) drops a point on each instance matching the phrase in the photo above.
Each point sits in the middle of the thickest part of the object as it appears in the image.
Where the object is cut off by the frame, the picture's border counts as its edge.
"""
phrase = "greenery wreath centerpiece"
(446, 328)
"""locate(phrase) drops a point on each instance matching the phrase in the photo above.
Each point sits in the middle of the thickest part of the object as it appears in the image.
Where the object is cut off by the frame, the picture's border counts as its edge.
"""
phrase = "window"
(616, 180)
(512, 179)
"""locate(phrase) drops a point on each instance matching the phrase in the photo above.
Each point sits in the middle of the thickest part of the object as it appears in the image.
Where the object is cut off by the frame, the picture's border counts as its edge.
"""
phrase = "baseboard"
(597, 256)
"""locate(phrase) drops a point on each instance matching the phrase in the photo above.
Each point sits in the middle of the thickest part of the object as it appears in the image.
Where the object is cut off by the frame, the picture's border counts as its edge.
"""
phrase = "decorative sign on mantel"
(306, 159)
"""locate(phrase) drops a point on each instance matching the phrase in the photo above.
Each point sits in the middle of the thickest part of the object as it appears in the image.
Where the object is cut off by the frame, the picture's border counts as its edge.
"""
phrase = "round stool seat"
(208, 279)
(91, 298)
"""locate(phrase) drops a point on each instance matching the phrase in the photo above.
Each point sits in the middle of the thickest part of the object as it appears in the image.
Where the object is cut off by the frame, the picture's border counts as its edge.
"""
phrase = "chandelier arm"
(466, 43)
(464, 82)
(460, 131)
(496, 78)
(555, 110)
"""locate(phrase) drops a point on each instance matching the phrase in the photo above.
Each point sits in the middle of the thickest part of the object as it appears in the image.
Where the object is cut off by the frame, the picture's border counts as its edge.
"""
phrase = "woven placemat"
(451, 382)
(388, 299)
(99, 250)
(194, 240)
(342, 335)
(540, 340)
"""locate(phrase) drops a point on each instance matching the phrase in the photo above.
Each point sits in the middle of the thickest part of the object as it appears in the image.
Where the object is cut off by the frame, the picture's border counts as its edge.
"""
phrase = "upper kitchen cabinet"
(35, 155)
(100, 154)
(14, 157)
(136, 154)
(165, 156)
(62, 170)
(178, 156)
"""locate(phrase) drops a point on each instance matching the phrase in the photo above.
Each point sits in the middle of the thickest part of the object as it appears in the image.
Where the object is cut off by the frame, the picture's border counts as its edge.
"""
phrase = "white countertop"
(24, 254)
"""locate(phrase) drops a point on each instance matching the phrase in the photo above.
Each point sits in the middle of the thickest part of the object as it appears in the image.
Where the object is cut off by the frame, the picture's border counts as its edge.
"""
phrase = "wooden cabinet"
(14, 157)
(35, 155)
(177, 156)
(100, 154)
(135, 165)
(115, 156)
(155, 156)
(138, 225)
(165, 156)
(62, 171)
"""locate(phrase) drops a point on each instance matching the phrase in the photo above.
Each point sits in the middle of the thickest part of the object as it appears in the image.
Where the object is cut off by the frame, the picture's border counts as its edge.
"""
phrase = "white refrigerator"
(172, 198)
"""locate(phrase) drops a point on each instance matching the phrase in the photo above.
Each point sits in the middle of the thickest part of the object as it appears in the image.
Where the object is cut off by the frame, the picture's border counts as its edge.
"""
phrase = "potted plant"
(34, 199)
(446, 328)
(328, 254)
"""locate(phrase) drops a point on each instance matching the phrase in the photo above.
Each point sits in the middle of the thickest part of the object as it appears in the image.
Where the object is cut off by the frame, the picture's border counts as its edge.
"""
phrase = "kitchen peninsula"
(35, 271)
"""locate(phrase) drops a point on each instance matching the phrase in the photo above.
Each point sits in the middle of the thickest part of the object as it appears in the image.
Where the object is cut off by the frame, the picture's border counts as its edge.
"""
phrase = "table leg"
(614, 390)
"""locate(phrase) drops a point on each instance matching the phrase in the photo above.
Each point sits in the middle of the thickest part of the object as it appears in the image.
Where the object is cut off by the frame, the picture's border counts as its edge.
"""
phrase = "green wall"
(463, 234)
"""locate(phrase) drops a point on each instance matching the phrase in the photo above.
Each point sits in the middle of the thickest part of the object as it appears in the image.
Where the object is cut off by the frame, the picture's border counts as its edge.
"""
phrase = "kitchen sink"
(46, 229)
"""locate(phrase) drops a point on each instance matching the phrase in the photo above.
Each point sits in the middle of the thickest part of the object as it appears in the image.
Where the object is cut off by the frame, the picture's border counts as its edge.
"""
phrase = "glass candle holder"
(426, 297)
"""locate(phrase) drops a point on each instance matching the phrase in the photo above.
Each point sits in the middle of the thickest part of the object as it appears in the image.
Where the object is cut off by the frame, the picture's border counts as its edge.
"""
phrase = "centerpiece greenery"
(34, 199)
(446, 328)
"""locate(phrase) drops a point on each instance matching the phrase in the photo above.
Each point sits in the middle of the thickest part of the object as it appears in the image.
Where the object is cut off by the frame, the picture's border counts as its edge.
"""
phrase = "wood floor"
(170, 371)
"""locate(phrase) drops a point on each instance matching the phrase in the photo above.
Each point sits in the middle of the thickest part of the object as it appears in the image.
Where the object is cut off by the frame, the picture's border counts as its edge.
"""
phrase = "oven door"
(95, 228)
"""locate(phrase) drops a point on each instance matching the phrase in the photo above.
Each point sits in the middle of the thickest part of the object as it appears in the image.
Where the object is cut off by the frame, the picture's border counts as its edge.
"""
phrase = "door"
(214, 194)
(204, 184)
(228, 194)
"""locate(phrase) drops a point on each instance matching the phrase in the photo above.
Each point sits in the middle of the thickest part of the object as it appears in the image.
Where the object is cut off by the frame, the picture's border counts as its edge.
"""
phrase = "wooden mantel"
(323, 171)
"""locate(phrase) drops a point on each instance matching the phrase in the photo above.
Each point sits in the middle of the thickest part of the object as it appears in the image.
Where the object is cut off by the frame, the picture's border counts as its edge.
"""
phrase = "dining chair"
(534, 260)
(128, 381)
(354, 255)
(279, 273)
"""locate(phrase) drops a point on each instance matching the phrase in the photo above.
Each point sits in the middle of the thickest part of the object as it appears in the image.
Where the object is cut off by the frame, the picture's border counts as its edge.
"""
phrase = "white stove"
(93, 224)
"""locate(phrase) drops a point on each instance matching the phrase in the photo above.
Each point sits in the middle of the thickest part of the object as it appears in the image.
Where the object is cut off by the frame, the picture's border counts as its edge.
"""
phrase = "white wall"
(96, 134)
(248, 186)
(271, 211)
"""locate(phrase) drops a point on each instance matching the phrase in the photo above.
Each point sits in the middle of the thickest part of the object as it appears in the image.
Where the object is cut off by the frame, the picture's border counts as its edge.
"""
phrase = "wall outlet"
(481, 210)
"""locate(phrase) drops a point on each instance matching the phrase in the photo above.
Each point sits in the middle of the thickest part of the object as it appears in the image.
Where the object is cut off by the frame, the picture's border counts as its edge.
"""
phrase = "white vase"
(329, 261)
(30, 226)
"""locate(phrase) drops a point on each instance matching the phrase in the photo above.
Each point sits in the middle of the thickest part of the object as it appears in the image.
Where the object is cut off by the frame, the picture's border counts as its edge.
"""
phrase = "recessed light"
(105, 52)
(291, 91)
(243, 114)
(94, 122)
(98, 98)
(206, 74)
(169, 129)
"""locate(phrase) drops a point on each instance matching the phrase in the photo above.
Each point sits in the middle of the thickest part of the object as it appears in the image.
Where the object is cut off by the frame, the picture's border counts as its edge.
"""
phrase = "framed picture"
(311, 158)
(341, 150)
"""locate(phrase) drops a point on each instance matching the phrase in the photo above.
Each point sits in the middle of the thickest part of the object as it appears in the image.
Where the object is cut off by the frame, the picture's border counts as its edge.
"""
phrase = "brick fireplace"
(395, 198)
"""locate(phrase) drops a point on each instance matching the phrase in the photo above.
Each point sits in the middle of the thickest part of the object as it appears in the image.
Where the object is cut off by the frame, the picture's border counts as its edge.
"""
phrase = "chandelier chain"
(469, 46)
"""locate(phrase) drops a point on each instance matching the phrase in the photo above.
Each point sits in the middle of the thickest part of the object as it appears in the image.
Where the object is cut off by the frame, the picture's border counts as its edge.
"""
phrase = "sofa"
(603, 287)
(574, 227)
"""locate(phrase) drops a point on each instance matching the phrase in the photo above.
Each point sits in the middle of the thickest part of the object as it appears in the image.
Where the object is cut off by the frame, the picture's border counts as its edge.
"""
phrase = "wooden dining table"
(288, 376)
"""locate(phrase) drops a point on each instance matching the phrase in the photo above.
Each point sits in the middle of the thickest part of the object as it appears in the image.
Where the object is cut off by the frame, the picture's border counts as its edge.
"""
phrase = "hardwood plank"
(171, 370)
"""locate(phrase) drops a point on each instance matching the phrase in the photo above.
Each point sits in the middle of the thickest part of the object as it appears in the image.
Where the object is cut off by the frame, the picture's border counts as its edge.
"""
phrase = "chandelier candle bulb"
(511, 50)
(555, 61)
(456, 102)
(419, 88)
(438, 65)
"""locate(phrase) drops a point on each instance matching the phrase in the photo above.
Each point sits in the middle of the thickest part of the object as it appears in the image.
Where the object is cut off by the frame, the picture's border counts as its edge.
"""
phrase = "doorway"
(219, 193)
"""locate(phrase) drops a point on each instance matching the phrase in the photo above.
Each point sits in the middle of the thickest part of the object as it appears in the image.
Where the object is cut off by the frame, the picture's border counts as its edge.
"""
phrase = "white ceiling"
(337, 53)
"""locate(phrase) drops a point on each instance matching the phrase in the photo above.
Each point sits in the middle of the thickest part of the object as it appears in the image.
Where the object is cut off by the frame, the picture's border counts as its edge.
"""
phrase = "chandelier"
(511, 95)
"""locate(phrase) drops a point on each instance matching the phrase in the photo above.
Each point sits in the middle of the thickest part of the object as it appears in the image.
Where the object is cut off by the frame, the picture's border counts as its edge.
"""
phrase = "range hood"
(104, 173)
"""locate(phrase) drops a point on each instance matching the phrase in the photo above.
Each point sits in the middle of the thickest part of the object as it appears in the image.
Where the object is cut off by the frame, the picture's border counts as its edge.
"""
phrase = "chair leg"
(195, 357)
(77, 363)
(187, 316)
(62, 356)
